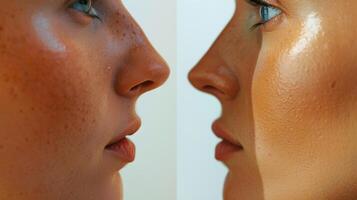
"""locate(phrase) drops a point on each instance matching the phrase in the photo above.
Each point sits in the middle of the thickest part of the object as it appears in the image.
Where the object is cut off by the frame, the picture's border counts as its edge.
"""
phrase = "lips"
(124, 150)
(121, 147)
(228, 146)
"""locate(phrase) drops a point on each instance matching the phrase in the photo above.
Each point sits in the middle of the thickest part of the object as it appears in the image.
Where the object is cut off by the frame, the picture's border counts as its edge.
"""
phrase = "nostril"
(146, 85)
(212, 90)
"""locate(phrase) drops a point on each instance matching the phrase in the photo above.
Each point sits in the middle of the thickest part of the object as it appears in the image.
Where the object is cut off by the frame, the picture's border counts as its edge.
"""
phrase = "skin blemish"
(46, 35)
(120, 15)
(333, 84)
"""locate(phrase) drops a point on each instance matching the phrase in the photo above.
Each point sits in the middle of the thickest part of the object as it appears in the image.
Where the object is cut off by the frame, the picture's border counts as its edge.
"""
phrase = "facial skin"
(288, 91)
(68, 86)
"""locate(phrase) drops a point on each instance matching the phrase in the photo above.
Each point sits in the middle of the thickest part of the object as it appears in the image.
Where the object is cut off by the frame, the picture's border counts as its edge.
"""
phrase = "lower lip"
(225, 149)
(124, 150)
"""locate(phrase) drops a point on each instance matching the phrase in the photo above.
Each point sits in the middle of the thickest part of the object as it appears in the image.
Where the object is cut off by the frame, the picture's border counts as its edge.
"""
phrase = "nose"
(143, 70)
(212, 75)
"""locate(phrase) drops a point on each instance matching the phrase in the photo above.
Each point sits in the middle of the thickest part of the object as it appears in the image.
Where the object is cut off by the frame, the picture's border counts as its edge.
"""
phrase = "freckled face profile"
(70, 74)
(285, 74)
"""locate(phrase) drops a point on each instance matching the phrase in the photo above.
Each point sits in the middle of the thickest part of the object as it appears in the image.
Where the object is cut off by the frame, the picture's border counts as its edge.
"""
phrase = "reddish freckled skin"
(288, 91)
(66, 84)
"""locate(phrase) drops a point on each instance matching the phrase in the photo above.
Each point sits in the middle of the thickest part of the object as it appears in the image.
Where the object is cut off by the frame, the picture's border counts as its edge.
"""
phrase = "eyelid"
(258, 3)
(67, 3)
(268, 3)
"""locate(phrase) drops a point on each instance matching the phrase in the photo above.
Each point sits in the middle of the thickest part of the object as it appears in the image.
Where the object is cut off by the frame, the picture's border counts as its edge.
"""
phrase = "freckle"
(1, 146)
(32, 108)
(1, 28)
(21, 111)
(26, 139)
(333, 84)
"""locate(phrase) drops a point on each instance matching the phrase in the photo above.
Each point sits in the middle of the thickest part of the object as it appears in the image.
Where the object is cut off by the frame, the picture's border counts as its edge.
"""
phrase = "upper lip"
(132, 128)
(221, 133)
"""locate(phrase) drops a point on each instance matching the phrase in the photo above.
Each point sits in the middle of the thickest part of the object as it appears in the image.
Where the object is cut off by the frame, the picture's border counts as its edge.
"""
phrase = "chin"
(110, 190)
(242, 186)
(116, 189)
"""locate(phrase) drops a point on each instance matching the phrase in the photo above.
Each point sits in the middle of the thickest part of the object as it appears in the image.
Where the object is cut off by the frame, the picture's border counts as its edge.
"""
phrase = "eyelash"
(259, 3)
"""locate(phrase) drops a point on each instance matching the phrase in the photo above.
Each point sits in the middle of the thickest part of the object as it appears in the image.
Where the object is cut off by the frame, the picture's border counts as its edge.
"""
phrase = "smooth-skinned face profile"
(285, 74)
(70, 74)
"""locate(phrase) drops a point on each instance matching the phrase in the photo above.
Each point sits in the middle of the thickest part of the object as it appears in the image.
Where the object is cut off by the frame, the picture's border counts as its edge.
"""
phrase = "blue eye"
(85, 6)
(267, 13)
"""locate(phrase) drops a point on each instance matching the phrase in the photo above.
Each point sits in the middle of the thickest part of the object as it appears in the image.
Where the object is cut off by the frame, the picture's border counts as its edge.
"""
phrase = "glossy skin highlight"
(68, 86)
(288, 91)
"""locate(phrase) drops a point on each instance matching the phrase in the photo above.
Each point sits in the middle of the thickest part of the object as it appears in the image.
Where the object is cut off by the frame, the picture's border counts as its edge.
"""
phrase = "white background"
(200, 177)
(175, 146)
(153, 174)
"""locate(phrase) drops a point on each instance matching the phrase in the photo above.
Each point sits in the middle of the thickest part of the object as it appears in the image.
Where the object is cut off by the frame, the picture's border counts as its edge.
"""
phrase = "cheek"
(45, 33)
(305, 109)
(309, 91)
(51, 101)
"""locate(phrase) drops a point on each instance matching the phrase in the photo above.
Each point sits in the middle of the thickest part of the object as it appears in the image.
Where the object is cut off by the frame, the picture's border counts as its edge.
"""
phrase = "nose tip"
(214, 78)
(141, 68)
(151, 80)
(144, 71)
